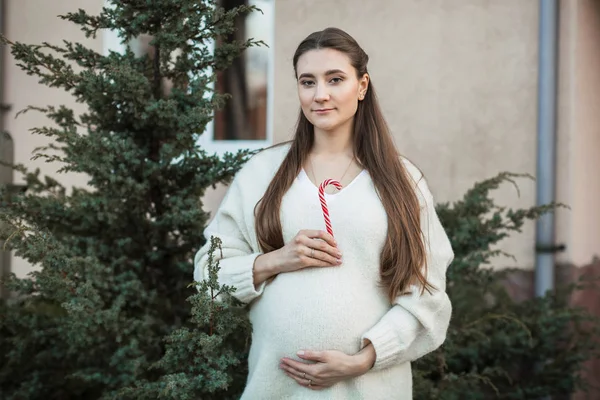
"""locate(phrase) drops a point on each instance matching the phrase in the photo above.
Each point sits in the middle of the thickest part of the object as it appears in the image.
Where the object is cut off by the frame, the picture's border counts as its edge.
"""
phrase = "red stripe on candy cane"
(326, 183)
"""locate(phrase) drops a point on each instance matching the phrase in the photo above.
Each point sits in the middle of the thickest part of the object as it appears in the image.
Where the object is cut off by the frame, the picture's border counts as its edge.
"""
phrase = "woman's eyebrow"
(330, 72)
(334, 71)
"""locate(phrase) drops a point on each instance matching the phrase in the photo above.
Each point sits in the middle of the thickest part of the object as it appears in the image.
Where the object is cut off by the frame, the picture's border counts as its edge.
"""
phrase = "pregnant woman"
(334, 316)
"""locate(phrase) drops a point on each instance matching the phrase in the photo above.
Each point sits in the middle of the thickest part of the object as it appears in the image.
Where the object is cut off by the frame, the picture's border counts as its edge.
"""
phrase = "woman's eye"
(336, 80)
(306, 83)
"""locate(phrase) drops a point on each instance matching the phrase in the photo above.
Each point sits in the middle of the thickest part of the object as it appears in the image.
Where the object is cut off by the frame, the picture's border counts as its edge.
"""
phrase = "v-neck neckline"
(304, 177)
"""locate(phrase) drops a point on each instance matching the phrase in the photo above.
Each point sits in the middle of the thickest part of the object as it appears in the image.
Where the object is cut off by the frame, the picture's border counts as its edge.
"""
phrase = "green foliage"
(207, 361)
(115, 258)
(497, 347)
(105, 315)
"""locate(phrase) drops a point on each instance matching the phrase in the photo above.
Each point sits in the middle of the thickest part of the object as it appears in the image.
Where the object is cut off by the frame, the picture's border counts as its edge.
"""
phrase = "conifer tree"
(497, 347)
(111, 313)
(115, 257)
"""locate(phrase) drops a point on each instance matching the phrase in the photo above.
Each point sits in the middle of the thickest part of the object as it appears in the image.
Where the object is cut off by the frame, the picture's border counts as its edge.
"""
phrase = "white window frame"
(206, 139)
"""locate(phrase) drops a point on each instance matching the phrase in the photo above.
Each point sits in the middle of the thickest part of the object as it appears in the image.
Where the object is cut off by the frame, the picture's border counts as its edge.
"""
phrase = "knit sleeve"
(417, 323)
(236, 261)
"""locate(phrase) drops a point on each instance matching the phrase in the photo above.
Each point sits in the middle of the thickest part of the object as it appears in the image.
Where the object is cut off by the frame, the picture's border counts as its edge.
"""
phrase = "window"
(6, 180)
(246, 120)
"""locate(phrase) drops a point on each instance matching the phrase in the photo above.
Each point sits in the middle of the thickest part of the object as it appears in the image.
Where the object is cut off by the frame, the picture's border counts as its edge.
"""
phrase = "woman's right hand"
(309, 248)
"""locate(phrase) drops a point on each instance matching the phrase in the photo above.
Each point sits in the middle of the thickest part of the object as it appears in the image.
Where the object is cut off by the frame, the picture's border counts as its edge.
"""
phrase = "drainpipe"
(546, 144)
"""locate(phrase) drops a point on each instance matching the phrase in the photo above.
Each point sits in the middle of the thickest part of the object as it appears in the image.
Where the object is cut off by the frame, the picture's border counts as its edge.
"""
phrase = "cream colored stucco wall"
(586, 183)
(36, 21)
(457, 82)
(565, 126)
(578, 183)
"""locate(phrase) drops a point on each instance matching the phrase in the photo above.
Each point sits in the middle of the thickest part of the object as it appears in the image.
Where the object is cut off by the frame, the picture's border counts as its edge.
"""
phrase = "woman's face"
(328, 88)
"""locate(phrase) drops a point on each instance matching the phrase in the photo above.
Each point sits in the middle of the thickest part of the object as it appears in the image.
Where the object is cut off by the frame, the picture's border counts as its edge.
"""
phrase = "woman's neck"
(333, 143)
(332, 156)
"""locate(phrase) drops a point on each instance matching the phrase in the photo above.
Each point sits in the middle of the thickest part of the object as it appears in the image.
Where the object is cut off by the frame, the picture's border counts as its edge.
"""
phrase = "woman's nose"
(321, 93)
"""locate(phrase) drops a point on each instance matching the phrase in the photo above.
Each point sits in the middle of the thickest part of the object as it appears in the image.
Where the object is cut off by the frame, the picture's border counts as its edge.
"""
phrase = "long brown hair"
(403, 258)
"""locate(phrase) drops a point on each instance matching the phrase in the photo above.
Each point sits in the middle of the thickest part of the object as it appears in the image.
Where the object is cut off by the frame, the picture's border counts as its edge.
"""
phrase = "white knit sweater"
(331, 308)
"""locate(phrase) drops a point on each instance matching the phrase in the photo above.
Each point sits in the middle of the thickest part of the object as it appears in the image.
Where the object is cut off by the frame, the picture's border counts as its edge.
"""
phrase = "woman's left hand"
(332, 366)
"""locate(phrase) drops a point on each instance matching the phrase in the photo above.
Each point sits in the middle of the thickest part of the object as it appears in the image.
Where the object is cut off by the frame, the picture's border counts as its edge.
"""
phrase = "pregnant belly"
(311, 310)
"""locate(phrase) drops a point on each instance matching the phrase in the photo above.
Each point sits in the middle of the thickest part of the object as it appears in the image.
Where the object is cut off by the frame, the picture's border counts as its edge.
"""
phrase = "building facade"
(457, 81)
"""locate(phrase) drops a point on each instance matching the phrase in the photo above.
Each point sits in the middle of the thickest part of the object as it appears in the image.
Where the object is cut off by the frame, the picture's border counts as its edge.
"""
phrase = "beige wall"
(35, 21)
(457, 82)
(578, 183)
(585, 238)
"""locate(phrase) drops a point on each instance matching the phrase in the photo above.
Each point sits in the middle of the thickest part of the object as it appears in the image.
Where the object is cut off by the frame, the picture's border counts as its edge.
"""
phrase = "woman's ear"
(363, 86)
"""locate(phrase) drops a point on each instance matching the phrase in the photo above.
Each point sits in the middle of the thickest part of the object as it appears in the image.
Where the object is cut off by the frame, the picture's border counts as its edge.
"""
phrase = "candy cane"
(326, 183)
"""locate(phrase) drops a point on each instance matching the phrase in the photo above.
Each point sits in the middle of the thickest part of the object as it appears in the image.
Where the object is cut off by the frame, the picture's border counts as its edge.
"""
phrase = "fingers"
(324, 248)
(320, 356)
(319, 249)
(301, 367)
(298, 374)
(303, 378)
(324, 258)
(316, 234)
(304, 382)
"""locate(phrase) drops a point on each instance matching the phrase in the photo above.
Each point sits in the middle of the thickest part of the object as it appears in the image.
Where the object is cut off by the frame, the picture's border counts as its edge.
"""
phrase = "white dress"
(331, 308)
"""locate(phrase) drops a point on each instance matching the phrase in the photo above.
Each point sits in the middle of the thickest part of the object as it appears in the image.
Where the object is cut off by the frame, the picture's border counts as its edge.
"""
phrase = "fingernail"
(300, 353)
